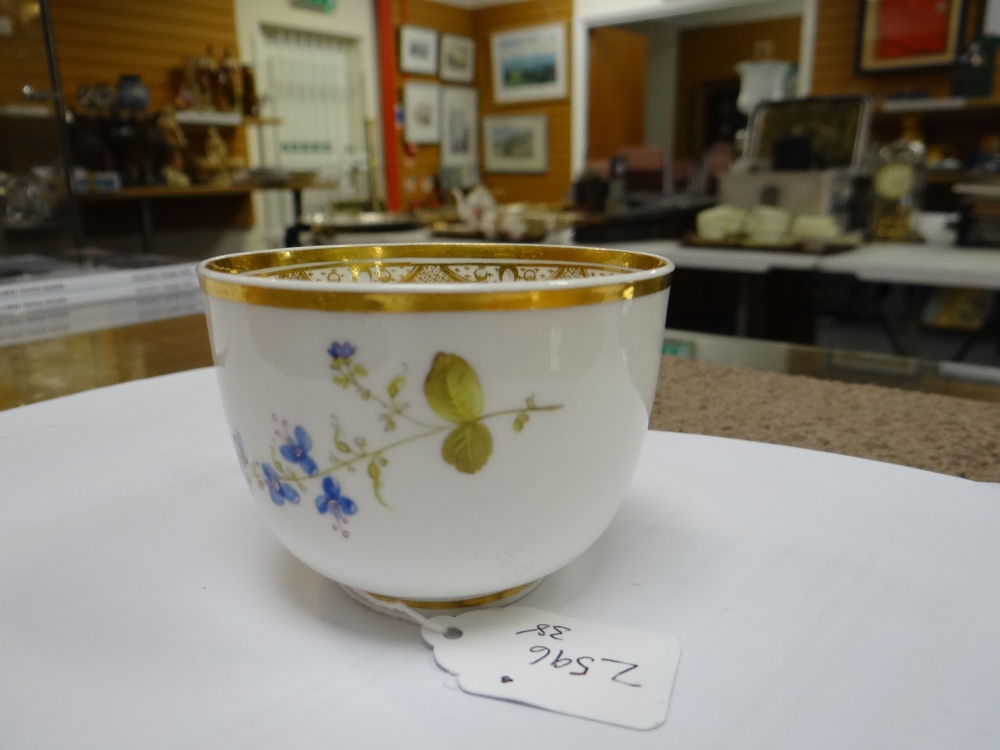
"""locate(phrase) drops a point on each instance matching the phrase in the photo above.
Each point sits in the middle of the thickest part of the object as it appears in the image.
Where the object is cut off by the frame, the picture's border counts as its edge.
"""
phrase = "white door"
(313, 84)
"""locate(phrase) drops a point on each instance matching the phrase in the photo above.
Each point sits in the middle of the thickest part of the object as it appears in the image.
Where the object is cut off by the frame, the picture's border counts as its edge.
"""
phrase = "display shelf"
(221, 119)
(33, 111)
(142, 192)
(163, 191)
(935, 104)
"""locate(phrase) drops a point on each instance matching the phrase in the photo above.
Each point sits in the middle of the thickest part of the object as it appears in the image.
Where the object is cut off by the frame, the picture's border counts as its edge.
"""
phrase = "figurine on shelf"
(206, 70)
(174, 174)
(184, 99)
(229, 83)
(169, 167)
(167, 124)
(251, 104)
(217, 162)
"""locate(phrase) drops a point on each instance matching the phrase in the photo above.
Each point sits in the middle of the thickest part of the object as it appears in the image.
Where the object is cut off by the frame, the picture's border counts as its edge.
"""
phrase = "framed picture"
(458, 58)
(459, 126)
(905, 34)
(516, 143)
(529, 64)
(422, 112)
(418, 50)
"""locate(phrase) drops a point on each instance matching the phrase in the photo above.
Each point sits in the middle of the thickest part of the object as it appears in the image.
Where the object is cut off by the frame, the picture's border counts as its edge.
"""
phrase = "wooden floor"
(46, 369)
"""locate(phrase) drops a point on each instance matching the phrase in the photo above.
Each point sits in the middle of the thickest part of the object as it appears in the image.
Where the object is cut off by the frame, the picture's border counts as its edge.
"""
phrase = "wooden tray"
(693, 240)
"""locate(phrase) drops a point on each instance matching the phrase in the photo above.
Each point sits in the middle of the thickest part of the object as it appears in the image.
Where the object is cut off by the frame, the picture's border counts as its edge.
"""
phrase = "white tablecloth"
(822, 601)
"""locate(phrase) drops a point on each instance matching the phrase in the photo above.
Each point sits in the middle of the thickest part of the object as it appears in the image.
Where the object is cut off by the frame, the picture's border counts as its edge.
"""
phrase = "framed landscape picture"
(422, 112)
(458, 58)
(905, 34)
(418, 50)
(516, 144)
(529, 64)
(459, 126)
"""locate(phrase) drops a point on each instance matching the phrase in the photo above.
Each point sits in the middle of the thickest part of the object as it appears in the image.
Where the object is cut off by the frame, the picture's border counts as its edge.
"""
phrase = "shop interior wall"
(709, 55)
(22, 57)
(552, 186)
(836, 49)
(98, 40)
(417, 171)
(481, 24)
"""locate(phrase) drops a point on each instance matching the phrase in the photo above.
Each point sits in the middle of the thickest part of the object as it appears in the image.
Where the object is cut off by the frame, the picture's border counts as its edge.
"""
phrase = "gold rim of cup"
(279, 278)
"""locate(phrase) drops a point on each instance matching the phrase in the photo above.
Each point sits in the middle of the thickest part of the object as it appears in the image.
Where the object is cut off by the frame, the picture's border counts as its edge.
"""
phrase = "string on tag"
(402, 612)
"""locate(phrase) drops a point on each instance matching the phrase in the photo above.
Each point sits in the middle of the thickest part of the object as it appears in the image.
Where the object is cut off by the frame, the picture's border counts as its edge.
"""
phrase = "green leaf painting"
(468, 447)
(453, 392)
(452, 389)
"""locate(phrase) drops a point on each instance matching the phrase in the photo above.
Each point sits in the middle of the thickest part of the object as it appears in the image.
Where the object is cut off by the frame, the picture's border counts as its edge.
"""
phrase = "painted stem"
(369, 454)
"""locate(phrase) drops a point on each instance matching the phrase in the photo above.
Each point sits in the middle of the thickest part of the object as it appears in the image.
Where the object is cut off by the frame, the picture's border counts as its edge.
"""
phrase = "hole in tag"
(452, 634)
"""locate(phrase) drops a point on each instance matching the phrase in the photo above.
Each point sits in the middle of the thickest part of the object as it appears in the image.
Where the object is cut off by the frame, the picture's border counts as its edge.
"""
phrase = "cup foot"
(435, 607)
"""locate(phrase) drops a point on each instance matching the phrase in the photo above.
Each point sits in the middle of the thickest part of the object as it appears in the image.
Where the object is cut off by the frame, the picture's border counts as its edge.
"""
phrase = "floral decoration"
(452, 391)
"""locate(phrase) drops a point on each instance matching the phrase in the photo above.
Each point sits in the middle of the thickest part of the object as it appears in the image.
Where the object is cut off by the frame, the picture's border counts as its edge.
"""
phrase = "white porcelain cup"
(437, 423)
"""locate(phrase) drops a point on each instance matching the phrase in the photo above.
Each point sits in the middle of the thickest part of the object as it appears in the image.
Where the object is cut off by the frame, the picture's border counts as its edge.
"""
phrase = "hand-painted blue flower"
(339, 350)
(280, 492)
(333, 502)
(297, 450)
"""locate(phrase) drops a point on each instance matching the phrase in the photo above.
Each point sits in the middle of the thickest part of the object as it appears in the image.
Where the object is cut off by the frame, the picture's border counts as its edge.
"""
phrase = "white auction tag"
(563, 664)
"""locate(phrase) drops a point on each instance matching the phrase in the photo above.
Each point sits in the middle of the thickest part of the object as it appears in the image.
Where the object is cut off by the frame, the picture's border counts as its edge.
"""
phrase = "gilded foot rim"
(434, 607)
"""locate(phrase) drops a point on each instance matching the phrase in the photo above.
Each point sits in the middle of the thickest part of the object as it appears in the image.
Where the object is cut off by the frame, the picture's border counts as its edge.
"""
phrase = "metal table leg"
(146, 210)
(743, 306)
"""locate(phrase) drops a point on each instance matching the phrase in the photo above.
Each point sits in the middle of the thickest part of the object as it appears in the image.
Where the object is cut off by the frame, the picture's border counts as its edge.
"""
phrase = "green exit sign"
(324, 6)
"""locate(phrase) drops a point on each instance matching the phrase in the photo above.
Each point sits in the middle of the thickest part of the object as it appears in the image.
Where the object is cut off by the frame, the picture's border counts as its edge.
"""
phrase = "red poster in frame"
(906, 34)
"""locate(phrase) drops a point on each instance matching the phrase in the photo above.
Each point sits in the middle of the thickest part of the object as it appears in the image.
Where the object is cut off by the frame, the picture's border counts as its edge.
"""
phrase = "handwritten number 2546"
(564, 661)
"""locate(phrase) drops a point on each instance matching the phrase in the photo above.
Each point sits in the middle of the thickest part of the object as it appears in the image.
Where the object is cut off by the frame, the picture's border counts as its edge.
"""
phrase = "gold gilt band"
(456, 603)
(400, 300)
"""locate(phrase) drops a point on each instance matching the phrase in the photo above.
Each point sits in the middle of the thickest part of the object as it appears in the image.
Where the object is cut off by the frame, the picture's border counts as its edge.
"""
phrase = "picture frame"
(422, 112)
(418, 50)
(458, 58)
(895, 35)
(459, 127)
(516, 144)
(529, 64)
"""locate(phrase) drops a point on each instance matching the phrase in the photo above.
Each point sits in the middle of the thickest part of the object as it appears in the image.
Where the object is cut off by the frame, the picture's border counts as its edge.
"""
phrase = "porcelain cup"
(437, 423)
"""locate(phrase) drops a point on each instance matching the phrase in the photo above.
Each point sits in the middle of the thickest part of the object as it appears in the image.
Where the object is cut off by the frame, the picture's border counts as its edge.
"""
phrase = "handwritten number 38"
(556, 634)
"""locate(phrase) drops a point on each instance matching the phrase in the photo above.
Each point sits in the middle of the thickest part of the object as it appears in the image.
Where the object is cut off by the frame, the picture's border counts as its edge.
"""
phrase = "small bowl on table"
(439, 424)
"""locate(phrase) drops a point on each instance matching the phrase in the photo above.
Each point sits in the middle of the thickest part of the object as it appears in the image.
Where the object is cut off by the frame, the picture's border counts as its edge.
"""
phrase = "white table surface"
(722, 259)
(932, 265)
(822, 601)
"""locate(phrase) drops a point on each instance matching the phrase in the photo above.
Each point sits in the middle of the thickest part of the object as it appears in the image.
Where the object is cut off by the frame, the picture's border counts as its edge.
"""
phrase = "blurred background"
(824, 173)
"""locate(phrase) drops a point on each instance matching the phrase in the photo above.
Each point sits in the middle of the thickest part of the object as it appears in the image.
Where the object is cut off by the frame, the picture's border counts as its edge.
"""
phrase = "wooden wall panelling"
(709, 55)
(98, 40)
(836, 44)
(445, 19)
(617, 100)
(22, 55)
(550, 187)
